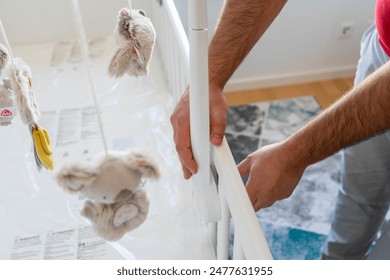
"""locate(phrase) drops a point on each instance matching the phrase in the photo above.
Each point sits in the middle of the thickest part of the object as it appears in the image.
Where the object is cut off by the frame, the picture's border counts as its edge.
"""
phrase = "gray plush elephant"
(117, 201)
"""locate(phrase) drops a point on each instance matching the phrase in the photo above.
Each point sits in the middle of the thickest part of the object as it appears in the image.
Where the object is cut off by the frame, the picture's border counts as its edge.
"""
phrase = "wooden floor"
(326, 92)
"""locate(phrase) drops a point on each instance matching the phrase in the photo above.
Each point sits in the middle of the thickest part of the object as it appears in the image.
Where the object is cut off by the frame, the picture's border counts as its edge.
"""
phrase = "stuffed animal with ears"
(7, 103)
(135, 37)
(117, 201)
(4, 57)
(21, 82)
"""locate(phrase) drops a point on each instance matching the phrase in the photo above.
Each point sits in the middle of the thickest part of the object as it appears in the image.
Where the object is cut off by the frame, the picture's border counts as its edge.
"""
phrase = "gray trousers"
(364, 196)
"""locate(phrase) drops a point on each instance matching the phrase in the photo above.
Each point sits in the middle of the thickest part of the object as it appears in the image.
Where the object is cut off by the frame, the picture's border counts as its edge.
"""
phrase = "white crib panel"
(252, 239)
(251, 236)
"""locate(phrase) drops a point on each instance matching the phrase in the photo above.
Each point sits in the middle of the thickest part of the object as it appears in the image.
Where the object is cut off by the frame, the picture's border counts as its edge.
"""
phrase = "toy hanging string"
(130, 8)
(5, 40)
(85, 56)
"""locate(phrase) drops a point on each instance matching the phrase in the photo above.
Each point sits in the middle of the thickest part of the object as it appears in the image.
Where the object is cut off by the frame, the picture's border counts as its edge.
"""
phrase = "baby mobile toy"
(16, 91)
(112, 181)
(135, 36)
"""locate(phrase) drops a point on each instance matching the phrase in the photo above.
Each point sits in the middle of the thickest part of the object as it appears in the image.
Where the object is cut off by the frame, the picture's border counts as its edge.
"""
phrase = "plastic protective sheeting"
(38, 219)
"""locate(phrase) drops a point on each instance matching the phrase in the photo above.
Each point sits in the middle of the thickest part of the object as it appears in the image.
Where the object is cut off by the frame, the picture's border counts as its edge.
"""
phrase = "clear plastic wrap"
(39, 220)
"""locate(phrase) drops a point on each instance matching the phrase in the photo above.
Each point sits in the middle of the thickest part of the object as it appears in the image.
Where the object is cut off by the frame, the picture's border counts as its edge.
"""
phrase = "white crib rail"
(172, 43)
(249, 241)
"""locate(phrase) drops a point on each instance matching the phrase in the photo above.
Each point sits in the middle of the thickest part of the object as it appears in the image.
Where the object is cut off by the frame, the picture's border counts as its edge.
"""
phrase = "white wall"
(34, 21)
(302, 44)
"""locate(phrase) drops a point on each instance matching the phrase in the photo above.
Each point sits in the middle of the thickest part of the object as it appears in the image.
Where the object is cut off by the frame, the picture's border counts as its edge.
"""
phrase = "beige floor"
(326, 92)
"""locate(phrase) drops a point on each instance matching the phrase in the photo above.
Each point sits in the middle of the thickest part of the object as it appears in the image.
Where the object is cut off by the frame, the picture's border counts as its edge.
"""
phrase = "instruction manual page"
(77, 243)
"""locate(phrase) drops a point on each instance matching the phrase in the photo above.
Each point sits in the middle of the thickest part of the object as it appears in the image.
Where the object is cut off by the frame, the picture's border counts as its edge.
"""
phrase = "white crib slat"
(176, 72)
(251, 236)
(238, 252)
(223, 231)
(176, 28)
(173, 46)
(169, 43)
(212, 234)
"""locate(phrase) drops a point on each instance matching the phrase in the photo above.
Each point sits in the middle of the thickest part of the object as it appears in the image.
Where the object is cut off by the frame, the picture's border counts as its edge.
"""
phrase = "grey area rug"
(295, 228)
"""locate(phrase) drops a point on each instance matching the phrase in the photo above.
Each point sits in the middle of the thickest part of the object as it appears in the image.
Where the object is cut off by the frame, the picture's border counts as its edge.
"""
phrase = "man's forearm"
(360, 114)
(240, 26)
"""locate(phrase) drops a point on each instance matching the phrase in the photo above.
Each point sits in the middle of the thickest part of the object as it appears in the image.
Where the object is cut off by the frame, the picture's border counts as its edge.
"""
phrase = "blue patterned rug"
(296, 227)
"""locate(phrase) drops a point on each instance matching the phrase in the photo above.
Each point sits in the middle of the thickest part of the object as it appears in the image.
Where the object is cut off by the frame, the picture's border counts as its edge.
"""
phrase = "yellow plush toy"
(42, 146)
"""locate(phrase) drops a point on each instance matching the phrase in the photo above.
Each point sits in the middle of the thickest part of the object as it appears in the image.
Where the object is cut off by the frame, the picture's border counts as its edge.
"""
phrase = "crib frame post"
(205, 193)
(231, 201)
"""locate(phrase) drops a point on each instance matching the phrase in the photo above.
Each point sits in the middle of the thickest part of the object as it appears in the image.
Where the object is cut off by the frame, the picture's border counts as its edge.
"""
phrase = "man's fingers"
(257, 205)
(252, 192)
(181, 134)
(217, 131)
(257, 198)
(217, 128)
(187, 160)
(218, 118)
(244, 167)
(261, 204)
(186, 173)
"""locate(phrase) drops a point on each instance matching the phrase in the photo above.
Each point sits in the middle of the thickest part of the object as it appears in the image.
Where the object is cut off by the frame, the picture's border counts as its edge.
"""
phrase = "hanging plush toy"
(7, 103)
(20, 85)
(20, 77)
(112, 182)
(4, 57)
(135, 36)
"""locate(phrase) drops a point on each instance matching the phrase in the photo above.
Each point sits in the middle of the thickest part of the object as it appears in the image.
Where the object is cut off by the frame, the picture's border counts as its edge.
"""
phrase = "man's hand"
(273, 175)
(180, 121)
